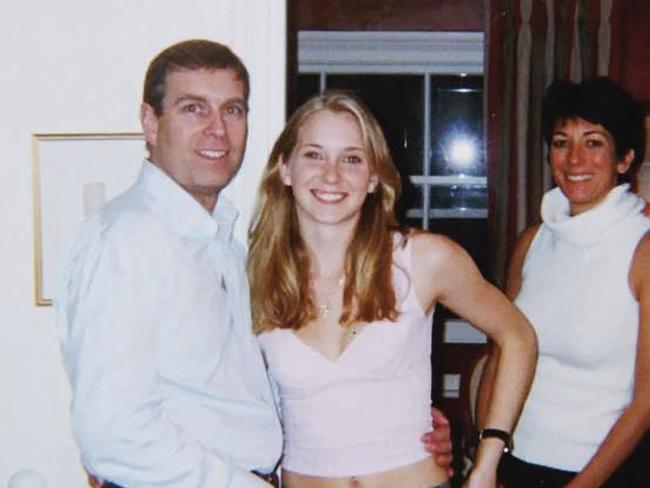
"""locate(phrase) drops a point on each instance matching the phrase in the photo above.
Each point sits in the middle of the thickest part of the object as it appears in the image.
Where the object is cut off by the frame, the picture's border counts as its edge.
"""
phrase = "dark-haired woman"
(582, 277)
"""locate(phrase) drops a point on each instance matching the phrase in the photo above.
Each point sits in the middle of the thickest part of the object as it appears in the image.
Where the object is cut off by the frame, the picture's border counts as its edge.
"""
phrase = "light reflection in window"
(461, 151)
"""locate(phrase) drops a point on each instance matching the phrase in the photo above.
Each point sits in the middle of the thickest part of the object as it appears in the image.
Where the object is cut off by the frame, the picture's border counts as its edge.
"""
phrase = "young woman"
(343, 302)
(582, 277)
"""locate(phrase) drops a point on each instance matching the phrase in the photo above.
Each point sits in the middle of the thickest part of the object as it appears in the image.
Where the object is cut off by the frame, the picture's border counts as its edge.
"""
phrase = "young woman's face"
(328, 169)
(584, 162)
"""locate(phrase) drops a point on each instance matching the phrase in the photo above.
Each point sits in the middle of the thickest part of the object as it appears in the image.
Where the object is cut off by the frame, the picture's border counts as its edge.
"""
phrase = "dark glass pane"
(411, 199)
(308, 85)
(457, 126)
(397, 101)
(459, 197)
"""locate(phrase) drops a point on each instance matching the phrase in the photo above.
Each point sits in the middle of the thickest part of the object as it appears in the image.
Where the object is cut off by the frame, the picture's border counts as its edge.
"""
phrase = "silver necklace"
(325, 309)
(326, 306)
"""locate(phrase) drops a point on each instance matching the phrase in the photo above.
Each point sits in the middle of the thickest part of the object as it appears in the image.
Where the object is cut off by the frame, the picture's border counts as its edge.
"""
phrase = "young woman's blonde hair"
(278, 264)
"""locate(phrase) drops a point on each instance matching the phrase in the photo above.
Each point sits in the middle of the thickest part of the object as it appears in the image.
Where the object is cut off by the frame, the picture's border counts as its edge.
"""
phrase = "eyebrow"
(199, 98)
(347, 148)
(189, 98)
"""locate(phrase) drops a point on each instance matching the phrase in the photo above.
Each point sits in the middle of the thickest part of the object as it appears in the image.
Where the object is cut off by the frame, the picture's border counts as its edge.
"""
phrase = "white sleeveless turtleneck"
(575, 291)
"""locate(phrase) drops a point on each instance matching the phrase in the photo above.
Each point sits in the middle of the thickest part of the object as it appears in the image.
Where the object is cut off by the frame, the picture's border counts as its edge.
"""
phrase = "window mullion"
(426, 158)
(322, 81)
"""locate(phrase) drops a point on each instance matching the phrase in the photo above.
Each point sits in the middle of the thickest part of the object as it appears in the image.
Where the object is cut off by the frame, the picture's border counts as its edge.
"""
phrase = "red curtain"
(529, 44)
(630, 59)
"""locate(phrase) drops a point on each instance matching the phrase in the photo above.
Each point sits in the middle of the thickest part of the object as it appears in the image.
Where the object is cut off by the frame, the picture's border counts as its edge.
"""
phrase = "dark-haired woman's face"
(584, 162)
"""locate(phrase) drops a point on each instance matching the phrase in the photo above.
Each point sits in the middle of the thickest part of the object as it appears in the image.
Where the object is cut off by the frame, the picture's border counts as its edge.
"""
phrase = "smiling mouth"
(329, 196)
(578, 178)
(212, 153)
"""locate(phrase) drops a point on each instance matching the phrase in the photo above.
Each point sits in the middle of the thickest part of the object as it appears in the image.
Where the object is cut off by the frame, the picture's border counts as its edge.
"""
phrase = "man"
(169, 386)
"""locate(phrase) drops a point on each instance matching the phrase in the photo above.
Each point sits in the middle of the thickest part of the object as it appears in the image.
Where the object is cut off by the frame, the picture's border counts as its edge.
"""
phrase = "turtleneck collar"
(593, 224)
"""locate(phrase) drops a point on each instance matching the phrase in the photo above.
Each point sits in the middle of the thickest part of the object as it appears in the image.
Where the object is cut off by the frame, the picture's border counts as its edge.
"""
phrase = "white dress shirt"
(169, 386)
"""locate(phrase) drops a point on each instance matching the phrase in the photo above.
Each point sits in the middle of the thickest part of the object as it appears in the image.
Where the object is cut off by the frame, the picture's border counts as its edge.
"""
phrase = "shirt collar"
(180, 211)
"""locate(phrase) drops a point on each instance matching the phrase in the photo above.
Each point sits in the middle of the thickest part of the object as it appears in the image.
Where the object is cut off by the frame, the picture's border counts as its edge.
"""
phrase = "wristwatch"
(499, 434)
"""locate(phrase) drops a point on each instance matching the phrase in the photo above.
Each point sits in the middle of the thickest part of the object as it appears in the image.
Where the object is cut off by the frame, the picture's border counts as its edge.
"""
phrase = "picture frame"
(73, 175)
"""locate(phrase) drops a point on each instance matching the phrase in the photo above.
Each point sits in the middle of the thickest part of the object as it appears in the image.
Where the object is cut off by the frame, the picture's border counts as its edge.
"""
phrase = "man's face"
(200, 138)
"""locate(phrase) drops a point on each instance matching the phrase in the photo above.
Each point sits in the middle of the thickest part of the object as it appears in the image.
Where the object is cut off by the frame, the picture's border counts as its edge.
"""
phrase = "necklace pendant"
(325, 310)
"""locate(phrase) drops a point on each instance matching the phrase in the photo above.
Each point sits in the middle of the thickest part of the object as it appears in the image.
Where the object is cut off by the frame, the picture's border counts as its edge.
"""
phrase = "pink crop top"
(366, 411)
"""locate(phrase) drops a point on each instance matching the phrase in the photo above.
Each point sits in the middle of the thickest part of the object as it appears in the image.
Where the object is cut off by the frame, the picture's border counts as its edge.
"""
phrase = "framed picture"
(73, 176)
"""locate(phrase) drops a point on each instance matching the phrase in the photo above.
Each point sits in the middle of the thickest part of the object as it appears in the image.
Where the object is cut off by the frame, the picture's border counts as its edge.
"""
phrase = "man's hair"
(194, 54)
(279, 267)
(598, 101)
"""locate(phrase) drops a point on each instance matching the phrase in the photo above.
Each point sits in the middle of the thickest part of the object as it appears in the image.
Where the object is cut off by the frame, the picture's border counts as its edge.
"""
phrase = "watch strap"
(499, 434)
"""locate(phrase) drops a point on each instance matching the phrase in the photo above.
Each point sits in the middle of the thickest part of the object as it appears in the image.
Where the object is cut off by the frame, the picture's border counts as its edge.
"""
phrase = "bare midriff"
(423, 474)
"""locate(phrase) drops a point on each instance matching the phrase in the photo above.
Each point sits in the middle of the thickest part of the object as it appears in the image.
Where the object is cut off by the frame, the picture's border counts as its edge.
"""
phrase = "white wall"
(77, 66)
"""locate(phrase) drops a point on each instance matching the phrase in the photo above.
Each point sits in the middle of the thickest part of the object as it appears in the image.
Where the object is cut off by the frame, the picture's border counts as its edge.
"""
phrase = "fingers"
(442, 432)
(438, 442)
(440, 436)
(438, 418)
